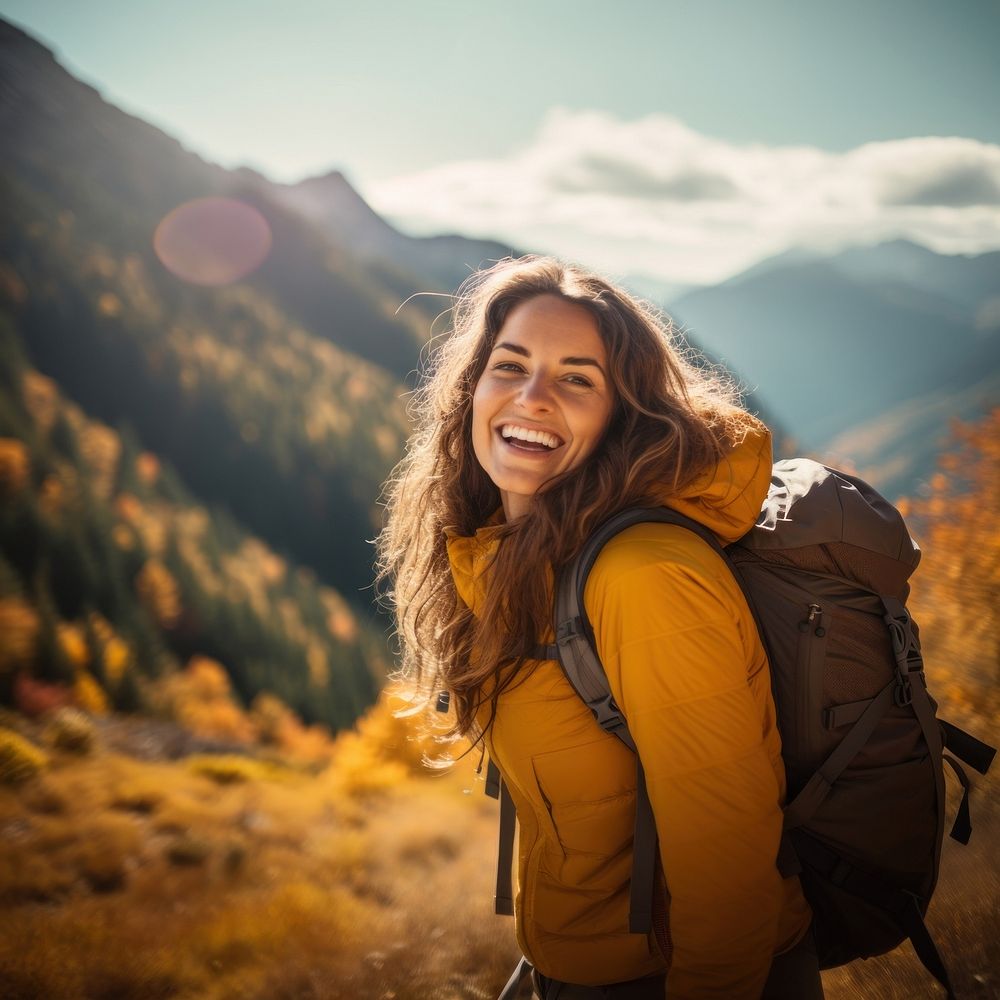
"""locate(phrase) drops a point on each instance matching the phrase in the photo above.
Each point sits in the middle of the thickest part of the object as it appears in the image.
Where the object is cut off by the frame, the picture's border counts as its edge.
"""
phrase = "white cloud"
(653, 196)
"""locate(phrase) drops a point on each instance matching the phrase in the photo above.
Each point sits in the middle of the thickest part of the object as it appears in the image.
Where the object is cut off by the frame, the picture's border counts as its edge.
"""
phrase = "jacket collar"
(469, 556)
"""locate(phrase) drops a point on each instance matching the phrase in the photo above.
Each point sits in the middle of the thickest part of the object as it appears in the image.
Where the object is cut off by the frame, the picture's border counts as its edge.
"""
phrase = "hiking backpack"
(824, 572)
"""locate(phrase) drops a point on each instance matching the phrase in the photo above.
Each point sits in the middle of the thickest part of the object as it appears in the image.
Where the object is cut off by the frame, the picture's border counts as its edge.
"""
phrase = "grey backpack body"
(825, 574)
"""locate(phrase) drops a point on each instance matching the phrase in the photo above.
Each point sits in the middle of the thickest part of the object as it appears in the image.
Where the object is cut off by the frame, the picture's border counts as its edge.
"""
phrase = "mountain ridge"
(445, 259)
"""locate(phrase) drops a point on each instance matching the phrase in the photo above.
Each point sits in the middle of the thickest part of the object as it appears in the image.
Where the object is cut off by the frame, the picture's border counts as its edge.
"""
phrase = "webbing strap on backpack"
(977, 755)
(890, 899)
(801, 809)
(963, 745)
(640, 903)
(508, 816)
(496, 788)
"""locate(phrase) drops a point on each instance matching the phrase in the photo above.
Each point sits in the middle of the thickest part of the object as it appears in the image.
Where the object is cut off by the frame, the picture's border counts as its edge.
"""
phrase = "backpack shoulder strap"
(574, 636)
(577, 654)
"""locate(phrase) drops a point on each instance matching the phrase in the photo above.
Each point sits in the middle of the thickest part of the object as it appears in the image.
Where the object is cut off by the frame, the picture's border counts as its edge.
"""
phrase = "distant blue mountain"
(968, 282)
(838, 342)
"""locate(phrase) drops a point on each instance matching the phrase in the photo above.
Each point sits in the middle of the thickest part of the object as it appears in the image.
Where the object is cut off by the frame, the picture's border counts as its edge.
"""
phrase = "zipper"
(809, 707)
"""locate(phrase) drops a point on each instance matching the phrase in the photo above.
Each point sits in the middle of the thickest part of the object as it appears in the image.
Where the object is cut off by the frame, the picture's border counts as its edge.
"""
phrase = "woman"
(557, 401)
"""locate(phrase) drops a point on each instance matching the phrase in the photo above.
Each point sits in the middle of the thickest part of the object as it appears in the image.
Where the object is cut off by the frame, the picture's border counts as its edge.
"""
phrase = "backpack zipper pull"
(814, 611)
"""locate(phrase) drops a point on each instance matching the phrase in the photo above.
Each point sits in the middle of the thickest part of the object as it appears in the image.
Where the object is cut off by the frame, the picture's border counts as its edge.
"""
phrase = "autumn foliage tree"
(956, 591)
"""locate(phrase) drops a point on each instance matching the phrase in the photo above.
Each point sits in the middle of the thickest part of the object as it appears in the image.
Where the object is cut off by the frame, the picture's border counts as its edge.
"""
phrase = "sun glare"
(212, 241)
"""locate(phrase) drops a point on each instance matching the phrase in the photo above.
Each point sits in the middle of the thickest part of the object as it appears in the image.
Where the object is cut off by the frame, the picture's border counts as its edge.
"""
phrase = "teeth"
(531, 436)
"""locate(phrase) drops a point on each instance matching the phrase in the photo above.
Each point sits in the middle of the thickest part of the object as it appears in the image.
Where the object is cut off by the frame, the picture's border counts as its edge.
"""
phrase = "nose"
(535, 394)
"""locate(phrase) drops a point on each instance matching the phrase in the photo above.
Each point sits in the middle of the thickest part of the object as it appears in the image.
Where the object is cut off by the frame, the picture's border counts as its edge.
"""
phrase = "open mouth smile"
(525, 439)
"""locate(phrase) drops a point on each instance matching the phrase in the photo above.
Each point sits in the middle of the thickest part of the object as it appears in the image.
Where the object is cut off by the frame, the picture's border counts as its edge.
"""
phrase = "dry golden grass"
(130, 879)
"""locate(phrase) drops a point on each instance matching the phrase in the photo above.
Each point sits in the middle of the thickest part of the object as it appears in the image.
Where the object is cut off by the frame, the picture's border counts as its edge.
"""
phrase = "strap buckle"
(608, 714)
(569, 630)
(902, 693)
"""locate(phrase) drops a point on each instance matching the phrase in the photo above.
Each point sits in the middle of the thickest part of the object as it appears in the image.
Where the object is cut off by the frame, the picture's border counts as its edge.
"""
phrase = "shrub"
(201, 699)
(188, 850)
(227, 769)
(45, 799)
(234, 858)
(140, 797)
(70, 730)
(19, 759)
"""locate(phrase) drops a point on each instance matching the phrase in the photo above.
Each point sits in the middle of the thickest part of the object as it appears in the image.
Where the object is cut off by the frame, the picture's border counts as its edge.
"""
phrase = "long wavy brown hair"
(673, 416)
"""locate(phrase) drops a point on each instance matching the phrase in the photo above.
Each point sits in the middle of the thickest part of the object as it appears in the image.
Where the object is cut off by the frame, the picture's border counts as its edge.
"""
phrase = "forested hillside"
(113, 577)
(285, 428)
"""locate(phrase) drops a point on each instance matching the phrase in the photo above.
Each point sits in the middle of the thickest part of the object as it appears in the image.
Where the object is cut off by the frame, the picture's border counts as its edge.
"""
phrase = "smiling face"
(544, 399)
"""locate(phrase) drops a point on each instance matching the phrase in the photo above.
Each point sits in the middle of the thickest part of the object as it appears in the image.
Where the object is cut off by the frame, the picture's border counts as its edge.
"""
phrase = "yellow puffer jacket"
(687, 668)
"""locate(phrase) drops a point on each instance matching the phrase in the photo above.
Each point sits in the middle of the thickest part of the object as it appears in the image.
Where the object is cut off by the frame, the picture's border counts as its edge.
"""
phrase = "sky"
(681, 139)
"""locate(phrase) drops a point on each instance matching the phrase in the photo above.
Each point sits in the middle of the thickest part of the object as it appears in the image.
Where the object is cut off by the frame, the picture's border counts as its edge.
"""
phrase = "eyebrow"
(525, 353)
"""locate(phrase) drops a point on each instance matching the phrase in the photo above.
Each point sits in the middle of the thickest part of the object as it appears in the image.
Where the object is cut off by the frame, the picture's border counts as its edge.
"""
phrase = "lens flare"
(212, 241)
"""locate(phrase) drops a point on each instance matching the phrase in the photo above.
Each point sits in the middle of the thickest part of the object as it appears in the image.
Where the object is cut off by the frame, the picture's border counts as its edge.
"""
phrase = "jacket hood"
(726, 498)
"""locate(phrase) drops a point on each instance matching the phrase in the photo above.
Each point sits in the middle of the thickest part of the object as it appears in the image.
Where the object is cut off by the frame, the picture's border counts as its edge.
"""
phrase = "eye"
(580, 380)
(508, 366)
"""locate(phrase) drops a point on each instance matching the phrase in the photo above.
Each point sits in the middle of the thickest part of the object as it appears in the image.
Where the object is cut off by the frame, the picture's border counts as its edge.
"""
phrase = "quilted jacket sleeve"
(688, 671)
